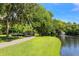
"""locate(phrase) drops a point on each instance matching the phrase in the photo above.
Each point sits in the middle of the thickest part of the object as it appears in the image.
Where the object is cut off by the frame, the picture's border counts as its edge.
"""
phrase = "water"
(70, 46)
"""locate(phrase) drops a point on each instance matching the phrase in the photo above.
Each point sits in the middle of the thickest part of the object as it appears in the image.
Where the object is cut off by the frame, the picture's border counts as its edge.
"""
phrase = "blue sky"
(68, 12)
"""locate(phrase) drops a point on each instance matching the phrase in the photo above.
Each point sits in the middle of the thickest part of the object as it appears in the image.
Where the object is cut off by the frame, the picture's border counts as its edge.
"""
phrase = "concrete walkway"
(5, 44)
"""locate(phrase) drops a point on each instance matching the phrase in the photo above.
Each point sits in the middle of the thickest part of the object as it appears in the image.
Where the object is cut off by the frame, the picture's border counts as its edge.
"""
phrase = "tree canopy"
(20, 17)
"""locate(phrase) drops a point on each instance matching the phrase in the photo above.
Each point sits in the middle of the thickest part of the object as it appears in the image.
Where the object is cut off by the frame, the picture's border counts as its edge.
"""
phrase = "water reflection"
(70, 46)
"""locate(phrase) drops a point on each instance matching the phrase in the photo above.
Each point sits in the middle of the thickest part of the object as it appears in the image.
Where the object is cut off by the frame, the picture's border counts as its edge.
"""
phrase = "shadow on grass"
(7, 39)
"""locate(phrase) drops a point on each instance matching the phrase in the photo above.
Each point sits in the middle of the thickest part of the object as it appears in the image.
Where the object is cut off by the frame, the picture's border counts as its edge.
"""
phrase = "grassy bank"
(39, 46)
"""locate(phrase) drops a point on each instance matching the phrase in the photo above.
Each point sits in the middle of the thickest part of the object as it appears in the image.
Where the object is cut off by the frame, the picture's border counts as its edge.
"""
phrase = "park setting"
(39, 29)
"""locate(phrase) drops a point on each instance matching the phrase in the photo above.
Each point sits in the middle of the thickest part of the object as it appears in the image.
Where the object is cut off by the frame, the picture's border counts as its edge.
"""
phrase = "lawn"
(3, 38)
(39, 46)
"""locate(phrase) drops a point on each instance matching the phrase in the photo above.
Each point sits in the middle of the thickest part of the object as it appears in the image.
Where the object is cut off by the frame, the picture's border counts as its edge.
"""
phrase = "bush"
(21, 28)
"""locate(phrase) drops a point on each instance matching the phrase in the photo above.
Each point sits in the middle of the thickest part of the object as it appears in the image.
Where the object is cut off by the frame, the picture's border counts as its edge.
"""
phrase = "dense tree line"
(20, 15)
(32, 17)
(67, 27)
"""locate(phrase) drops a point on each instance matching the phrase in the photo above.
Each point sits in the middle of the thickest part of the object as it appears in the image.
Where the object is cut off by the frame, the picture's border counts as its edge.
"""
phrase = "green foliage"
(3, 38)
(68, 28)
(20, 28)
(42, 21)
(72, 29)
(35, 17)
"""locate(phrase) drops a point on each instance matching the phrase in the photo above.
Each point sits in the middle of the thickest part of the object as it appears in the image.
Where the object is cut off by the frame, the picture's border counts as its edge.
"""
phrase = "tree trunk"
(7, 28)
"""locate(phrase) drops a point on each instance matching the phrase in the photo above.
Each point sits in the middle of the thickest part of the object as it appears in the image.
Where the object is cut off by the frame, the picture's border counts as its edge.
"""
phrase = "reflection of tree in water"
(70, 46)
(71, 41)
(76, 41)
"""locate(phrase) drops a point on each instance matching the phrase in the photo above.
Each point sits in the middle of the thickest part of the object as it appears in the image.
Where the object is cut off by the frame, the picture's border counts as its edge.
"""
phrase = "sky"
(68, 12)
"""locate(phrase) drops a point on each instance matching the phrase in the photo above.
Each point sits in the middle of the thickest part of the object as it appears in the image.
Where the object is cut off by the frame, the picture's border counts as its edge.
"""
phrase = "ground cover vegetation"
(39, 46)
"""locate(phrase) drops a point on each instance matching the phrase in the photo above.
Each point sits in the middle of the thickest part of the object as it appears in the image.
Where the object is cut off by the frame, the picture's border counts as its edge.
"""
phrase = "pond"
(70, 46)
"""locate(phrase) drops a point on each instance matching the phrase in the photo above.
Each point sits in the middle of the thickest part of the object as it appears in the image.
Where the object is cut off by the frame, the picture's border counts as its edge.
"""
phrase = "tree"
(17, 13)
(42, 21)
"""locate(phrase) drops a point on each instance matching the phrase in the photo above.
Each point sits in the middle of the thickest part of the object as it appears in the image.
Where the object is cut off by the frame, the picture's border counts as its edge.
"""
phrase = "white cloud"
(76, 4)
(76, 7)
(56, 3)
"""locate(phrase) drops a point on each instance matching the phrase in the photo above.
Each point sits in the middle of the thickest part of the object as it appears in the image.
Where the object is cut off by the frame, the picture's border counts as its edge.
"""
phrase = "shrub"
(21, 28)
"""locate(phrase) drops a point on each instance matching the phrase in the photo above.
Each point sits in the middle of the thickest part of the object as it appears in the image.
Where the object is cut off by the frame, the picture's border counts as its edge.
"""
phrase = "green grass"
(3, 38)
(39, 46)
